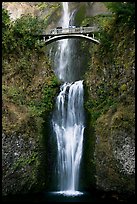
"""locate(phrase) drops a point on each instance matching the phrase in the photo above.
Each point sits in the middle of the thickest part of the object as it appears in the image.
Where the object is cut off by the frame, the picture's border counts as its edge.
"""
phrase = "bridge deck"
(70, 30)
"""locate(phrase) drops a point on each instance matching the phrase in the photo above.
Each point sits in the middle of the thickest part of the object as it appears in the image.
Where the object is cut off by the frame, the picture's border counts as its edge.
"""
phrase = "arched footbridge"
(71, 32)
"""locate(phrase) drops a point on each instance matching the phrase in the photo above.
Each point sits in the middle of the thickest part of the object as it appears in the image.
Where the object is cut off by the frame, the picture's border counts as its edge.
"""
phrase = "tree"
(124, 11)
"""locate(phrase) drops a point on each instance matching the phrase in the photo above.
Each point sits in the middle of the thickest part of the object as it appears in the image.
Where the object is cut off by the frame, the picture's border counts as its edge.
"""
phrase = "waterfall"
(68, 118)
(68, 125)
(62, 56)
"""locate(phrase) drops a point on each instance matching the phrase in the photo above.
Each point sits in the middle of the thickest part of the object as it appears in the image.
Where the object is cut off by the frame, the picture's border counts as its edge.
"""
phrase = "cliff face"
(16, 9)
(115, 150)
(27, 103)
(29, 88)
(40, 9)
(110, 83)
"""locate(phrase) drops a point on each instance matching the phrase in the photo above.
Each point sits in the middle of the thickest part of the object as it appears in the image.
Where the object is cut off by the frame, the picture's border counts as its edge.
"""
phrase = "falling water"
(68, 119)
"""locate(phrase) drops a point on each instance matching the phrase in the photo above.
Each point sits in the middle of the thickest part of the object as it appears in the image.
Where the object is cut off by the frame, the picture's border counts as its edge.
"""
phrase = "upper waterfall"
(66, 58)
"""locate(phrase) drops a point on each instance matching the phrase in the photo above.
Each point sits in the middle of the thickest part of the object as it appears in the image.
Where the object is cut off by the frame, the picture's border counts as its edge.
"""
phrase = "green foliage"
(28, 24)
(7, 32)
(115, 55)
(87, 21)
(26, 28)
(122, 17)
(124, 11)
(14, 94)
(42, 5)
(123, 87)
(21, 34)
(24, 62)
(5, 19)
(29, 89)
(49, 90)
(45, 5)
(22, 162)
(97, 107)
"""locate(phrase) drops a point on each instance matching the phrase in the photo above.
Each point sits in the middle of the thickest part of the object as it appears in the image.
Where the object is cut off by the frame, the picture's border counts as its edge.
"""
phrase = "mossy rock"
(114, 150)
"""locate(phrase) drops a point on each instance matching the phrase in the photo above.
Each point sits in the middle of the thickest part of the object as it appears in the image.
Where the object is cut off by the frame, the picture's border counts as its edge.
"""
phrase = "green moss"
(80, 15)
(49, 91)
(124, 118)
(23, 161)
(123, 87)
(42, 5)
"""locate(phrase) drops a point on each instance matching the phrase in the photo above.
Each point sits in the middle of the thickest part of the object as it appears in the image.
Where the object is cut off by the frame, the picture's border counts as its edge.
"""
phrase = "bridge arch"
(60, 37)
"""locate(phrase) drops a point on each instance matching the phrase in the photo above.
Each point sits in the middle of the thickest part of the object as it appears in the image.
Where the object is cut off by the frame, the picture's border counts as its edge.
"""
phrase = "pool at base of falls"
(70, 196)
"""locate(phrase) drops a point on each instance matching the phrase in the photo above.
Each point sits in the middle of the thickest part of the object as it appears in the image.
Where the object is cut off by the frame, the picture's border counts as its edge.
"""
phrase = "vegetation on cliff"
(29, 87)
(29, 84)
(112, 67)
(110, 82)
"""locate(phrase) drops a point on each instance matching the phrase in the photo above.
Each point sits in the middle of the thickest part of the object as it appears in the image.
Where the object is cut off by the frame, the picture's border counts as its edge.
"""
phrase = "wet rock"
(19, 158)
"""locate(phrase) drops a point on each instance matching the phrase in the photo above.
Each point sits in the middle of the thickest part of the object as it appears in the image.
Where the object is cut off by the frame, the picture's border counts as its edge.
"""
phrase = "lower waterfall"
(68, 124)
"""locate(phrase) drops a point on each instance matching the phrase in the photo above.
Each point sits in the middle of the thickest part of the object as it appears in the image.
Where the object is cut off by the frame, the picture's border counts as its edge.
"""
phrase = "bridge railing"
(58, 31)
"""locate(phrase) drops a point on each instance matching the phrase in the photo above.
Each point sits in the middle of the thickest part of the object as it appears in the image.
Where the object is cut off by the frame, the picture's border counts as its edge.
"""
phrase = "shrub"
(124, 11)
